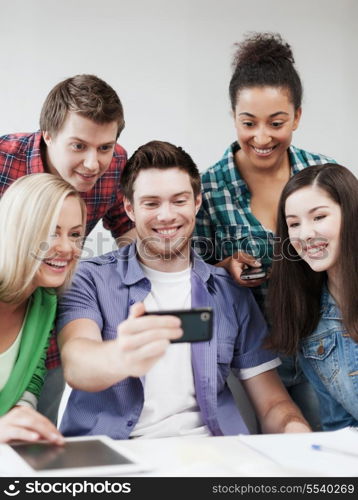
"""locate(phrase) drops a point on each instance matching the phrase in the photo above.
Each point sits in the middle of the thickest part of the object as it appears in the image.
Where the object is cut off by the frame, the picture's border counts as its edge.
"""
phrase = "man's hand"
(91, 364)
(26, 424)
(237, 263)
(142, 340)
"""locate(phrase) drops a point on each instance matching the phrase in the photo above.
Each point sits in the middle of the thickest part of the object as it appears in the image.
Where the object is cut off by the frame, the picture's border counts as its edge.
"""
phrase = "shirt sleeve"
(38, 378)
(116, 219)
(28, 399)
(249, 349)
(80, 301)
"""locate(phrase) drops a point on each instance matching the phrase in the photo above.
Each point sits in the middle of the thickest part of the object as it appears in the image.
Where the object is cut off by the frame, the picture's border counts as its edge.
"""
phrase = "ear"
(128, 207)
(297, 118)
(47, 137)
(198, 201)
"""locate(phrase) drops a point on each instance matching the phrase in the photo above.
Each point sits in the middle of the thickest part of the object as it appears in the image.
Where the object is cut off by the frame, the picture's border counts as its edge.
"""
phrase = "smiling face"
(81, 151)
(164, 210)
(314, 227)
(65, 246)
(265, 119)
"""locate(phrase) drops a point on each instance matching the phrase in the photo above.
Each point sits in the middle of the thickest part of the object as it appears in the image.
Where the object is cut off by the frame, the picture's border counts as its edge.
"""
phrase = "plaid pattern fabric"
(225, 222)
(20, 154)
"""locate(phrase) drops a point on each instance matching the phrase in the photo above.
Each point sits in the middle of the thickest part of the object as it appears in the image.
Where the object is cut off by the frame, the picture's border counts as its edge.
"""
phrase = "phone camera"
(205, 316)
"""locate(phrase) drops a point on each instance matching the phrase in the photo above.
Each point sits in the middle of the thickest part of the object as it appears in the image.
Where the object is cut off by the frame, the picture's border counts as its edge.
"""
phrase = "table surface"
(273, 455)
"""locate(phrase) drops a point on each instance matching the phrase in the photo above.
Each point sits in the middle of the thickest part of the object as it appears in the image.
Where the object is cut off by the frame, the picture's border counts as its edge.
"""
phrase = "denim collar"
(329, 307)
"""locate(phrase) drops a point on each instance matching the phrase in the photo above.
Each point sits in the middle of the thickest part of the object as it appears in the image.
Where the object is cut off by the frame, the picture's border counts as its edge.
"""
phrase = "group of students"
(264, 204)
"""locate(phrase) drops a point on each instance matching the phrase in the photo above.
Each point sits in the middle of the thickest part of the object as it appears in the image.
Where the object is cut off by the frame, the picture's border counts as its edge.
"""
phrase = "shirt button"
(320, 349)
(131, 302)
(130, 423)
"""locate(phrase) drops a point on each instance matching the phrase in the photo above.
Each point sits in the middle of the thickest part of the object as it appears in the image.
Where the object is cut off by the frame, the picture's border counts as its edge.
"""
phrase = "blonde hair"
(29, 210)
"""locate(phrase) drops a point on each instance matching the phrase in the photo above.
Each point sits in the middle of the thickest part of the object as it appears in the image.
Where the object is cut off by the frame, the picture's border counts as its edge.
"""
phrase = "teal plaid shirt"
(225, 223)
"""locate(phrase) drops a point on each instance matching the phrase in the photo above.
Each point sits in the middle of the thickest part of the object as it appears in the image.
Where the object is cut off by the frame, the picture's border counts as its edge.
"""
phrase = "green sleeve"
(38, 378)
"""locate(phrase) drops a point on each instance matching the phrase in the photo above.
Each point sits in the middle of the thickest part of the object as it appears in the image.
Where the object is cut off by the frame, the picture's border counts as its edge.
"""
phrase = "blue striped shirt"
(103, 290)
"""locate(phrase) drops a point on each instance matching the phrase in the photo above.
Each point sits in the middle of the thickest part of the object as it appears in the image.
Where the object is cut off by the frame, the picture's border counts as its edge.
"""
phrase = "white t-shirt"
(170, 405)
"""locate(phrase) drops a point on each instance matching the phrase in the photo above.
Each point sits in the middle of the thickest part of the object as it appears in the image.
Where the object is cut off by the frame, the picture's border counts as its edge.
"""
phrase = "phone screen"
(91, 453)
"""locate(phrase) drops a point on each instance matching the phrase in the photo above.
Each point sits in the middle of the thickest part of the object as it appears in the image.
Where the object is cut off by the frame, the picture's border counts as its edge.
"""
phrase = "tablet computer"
(83, 456)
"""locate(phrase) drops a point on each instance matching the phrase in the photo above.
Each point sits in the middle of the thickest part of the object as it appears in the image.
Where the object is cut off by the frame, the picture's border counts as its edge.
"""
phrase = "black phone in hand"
(197, 324)
(253, 273)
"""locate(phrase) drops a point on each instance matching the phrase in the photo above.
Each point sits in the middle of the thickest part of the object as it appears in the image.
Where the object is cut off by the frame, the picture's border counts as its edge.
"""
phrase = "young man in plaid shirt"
(80, 122)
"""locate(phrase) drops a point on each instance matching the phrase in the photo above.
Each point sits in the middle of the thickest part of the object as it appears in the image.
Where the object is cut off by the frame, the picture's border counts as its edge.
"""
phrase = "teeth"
(166, 231)
(58, 264)
(315, 250)
(263, 151)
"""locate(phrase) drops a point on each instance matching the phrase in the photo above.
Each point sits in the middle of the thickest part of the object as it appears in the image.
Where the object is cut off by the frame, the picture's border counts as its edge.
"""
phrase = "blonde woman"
(42, 221)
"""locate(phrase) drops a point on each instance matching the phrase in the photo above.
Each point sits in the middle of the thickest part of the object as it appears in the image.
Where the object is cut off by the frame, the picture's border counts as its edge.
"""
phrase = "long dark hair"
(295, 289)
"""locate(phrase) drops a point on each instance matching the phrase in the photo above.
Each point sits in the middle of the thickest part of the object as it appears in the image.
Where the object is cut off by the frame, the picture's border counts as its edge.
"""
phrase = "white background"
(170, 62)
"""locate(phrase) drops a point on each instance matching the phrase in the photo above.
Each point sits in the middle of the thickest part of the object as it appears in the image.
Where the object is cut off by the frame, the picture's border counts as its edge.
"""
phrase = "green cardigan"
(29, 370)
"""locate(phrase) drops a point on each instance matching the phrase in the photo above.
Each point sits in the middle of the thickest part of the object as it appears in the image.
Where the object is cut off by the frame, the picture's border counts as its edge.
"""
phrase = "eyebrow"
(73, 227)
(78, 139)
(309, 211)
(271, 116)
(152, 196)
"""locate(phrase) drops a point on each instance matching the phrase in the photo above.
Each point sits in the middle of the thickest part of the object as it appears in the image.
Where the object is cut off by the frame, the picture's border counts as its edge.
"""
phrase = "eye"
(277, 124)
(106, 147)
(77, 146)
(76, 235)
(293, 225)
(180, 202)
(319, 217)
(247, 124)
(150, 204)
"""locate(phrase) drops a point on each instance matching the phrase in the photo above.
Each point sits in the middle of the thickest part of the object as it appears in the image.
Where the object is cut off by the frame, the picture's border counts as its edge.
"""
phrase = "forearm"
(284, 416)
(90, 365)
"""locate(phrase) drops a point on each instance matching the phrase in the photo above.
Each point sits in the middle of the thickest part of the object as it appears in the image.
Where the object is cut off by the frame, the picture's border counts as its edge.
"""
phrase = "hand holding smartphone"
(253, 273)
(197, 324)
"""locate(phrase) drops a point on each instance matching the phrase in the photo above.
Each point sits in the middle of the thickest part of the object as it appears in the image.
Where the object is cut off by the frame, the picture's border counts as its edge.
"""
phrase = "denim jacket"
(329, 359)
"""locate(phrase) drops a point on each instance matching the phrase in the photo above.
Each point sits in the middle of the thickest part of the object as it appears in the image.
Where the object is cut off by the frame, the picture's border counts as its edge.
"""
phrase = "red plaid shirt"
(20, 154)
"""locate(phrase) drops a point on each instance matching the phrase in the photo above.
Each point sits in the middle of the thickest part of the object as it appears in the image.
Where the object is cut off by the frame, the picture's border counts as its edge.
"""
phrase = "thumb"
(136, 310)
(246, 259)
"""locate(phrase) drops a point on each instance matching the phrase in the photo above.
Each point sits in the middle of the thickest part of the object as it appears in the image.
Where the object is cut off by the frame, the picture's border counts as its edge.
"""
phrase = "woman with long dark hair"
(313, 291)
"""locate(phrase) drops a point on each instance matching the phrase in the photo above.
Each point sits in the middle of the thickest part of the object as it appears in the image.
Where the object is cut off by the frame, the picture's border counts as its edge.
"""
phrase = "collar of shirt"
(131, 271)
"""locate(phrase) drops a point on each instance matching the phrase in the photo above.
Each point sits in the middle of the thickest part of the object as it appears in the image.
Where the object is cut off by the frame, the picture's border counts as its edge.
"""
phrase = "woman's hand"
(26, 424)
(236, 263)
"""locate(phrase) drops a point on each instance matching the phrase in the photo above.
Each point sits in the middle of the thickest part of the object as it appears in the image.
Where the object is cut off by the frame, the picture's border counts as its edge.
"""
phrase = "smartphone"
(253, 273)
(197, 324)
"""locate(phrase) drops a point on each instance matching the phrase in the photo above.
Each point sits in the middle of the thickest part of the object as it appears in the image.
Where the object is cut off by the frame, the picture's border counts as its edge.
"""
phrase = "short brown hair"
(87, 95)
(159, 154)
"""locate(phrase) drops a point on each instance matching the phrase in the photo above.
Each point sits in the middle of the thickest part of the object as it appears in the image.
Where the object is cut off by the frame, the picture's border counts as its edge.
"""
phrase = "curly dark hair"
(265, 59)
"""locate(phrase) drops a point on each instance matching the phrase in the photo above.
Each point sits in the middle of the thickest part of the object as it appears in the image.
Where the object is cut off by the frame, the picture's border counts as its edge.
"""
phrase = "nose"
(91, 161)
(306, 231)
(64, 246)
(166, 213)
(262, 136)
